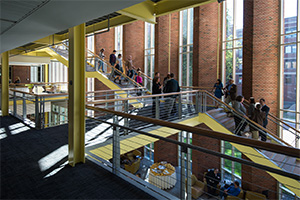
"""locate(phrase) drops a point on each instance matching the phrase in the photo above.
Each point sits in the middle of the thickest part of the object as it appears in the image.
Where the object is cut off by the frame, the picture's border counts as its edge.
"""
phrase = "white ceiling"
(25, 21)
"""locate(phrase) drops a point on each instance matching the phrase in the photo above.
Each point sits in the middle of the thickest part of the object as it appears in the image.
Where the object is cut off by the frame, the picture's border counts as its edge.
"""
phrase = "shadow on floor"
(34, 166)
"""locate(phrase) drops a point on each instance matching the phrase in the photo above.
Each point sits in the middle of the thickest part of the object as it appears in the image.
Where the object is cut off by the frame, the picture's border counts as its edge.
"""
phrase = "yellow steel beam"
(58, 57)
(143, 11)
(76, 104)
(5, 84)
(169, 6)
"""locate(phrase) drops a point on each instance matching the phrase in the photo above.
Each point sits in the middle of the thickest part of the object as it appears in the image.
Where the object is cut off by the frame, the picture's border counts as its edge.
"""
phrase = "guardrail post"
(42, 115)
(15, 104)
(188, 168)
(180, 106)
(24, 106)
(204, 103)
(116, 146)
(157, 107)
(126, 124)
(182, 168)
(37, 114)
(198, 102)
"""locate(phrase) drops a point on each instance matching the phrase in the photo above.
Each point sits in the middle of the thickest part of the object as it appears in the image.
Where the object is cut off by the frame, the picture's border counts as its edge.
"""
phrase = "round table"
(162, 175)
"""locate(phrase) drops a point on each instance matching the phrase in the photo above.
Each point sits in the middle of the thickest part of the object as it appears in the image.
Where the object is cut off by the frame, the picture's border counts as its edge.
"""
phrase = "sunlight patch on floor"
(54, 157)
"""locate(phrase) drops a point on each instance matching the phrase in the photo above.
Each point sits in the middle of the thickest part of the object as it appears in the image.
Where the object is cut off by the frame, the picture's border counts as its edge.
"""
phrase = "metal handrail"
(249, 120)
(276, 118)
(141, 97)
(286, 150)
(122, 74)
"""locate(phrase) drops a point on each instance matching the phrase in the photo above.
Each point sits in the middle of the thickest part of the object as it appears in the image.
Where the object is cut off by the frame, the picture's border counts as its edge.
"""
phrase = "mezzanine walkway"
(34, 166)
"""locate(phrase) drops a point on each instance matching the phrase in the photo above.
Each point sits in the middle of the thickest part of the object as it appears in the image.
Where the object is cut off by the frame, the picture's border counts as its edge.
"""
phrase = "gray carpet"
(32, 167)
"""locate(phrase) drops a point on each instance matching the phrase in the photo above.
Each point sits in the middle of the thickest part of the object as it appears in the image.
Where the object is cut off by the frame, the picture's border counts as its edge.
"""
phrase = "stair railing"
(113, 69)
(213, 102)
(280, 124)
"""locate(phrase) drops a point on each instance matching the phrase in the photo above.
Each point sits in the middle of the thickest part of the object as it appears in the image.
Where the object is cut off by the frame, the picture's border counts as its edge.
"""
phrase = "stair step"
(289, 164)
(226, 121)
(268, 154)
(214, 111)
(220, 116)
(279, 158)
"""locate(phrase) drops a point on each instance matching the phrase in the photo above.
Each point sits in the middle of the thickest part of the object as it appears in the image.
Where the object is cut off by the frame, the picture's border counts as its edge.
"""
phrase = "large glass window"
(231, 171)
(149, 152)
(149, 52)
(119, 39)
(233, 42)
(289, 54)
(36, 73)
(186, 47)
(57, 72)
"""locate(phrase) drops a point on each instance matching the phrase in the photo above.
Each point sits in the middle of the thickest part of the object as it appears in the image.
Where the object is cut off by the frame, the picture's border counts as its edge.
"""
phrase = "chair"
(254, 196)
(135, 160)
(240, 196)
(197, 187)
(133, 167)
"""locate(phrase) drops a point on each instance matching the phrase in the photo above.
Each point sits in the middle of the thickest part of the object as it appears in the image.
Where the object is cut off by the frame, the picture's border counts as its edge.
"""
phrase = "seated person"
(213, 178)
(233, 190)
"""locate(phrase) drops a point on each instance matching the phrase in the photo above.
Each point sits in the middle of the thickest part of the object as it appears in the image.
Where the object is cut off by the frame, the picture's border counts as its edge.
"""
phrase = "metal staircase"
(224, 114)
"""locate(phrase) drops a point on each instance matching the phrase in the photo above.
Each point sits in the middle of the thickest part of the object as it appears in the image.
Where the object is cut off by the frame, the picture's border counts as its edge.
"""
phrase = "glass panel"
(239, 18)
(229, 64)
(184, 67)
(229, 19)
(152, 66)
(148, 35)
(184, 49)
(191, 70)
(184, 27)
(239, 69)
(289, 16)
(238, 43)
(291, 38)
(191, 20)
(229, 45)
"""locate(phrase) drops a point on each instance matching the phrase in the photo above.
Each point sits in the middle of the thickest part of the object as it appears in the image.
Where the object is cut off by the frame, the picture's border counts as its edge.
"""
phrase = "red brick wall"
(134, 43)
(202, 161)
(260, 78)
(257, 180)
(205, 41)
(165, 151)
(162, 44)
(23, 72)
(107, 41)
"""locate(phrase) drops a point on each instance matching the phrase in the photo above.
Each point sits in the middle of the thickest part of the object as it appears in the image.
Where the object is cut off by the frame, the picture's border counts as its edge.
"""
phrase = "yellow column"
(76, 106)
(5, 84)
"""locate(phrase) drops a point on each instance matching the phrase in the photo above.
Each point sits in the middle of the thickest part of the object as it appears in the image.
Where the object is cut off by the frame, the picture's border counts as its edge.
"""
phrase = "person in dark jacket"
(156, 89)
(259, 117)
(230, 92)
(265, 109)
(171, 86)
(213, 178)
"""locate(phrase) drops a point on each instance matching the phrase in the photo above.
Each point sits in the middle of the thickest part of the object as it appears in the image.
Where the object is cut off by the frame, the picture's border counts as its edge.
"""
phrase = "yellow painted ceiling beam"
(169, 6)
(116, 21)
(143, 11)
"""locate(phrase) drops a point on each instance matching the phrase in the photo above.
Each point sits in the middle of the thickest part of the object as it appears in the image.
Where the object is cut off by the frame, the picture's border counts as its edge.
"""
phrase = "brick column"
(205, 40)
(133, 42)
(257, 180)
(107, 41)
(203, 161)
(261, 51)
(162, 36)
(165, 151)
